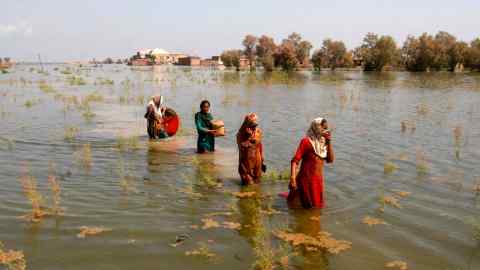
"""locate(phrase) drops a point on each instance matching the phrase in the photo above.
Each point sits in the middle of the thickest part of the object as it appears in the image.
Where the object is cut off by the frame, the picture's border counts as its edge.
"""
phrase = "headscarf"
(317, 140)
(249, 122)
(157, 109)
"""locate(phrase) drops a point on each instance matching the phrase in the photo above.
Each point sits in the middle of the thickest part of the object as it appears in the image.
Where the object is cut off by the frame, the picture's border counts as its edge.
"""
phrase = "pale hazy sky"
(83, 29)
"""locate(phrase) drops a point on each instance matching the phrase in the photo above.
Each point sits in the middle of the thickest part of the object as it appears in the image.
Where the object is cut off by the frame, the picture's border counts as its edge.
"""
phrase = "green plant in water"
(277, 175)
(66, 71)
(389, 167)
(46, 88)
(88, 114)
(29, 103)
(56, 191)
(76, 80)
(84, 156)
(421, 162)
(30, 190)
(70, 133)
(129, 143)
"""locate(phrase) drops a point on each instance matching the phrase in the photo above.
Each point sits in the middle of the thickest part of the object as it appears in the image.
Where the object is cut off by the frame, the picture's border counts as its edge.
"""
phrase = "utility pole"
(40, 60)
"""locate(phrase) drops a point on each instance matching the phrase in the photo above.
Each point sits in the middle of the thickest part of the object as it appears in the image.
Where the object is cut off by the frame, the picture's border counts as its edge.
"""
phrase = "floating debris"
(12, 259)
(403, 194)
(322, 241)
(391, 201)
(231, 225)
(370, 221)
(397, 264)
(86, 231)
(180, 239)
(202, 251)
(209, 223)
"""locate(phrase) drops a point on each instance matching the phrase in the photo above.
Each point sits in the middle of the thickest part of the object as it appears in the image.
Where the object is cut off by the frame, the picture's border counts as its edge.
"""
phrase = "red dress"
(310, 189)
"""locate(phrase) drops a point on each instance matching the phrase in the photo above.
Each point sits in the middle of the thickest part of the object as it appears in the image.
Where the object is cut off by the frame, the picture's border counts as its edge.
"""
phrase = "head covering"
(250, 121)
(317, 140)
(161, 104)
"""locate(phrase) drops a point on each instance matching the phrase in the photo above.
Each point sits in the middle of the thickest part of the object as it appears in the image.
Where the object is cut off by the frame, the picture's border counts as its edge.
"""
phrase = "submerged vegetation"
(36, 199)
(70, 133)
(84, 157)
(12, 259)
(128, 143)
(322, 241)
(91, 231)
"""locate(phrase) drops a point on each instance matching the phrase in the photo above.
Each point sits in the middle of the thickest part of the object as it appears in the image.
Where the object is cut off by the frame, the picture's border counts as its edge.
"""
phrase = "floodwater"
(150, 193)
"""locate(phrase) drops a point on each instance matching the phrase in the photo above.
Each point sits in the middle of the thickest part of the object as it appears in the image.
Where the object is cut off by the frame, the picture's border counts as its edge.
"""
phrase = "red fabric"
(309, 179)
(171, 124)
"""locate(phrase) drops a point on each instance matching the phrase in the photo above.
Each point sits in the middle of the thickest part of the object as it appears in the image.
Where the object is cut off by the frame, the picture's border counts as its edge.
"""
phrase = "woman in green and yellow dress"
(206, 133)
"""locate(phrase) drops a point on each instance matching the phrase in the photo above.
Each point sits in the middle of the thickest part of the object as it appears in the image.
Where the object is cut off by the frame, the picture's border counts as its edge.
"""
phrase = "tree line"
(426, 52)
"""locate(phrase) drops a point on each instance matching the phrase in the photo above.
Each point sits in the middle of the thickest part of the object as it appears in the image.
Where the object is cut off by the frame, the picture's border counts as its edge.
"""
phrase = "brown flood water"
(149, 193)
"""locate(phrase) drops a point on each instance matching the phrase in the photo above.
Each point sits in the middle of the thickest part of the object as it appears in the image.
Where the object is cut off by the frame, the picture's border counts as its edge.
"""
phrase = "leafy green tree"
(333, 53)
(303, 51)
(473, 55)
(231, 58)
(419, 53)
(249, 43)
(444, 51)
(317, 59)
(265, 50)
(286, 56)
(377, 52)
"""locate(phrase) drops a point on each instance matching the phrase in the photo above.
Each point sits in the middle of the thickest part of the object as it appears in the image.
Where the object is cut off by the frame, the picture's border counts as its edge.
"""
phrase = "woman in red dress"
(314, 149)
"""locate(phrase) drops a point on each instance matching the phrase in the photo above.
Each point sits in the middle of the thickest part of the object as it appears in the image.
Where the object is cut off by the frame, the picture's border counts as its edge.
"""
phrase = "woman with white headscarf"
(314, 150)
(154, 116)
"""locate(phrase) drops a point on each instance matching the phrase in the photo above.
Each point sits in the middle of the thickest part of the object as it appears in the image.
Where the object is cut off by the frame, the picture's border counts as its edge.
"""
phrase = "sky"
(84, 29)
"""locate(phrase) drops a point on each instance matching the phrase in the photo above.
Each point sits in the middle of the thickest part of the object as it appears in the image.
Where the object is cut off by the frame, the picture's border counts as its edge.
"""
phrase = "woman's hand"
(328, 136)
(211, 131)
(293, 183)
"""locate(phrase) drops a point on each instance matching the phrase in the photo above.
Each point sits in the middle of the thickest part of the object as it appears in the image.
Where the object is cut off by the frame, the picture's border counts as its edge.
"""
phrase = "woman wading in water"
(249, 141)
(154, 116)
(314, 150)
(206, 133)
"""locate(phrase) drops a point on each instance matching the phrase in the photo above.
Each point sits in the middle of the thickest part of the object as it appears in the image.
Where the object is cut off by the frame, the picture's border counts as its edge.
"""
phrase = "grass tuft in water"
(45, 87)
(277, 175)
(389, 167)
(30, 103)
(84, 156)
(56, 191)
(76, 80)
(127, 144)
(202, 251)
(12, 259)
(70, 133)
(88, 114)
(30, 190)
(90, 231)
(421, 162)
